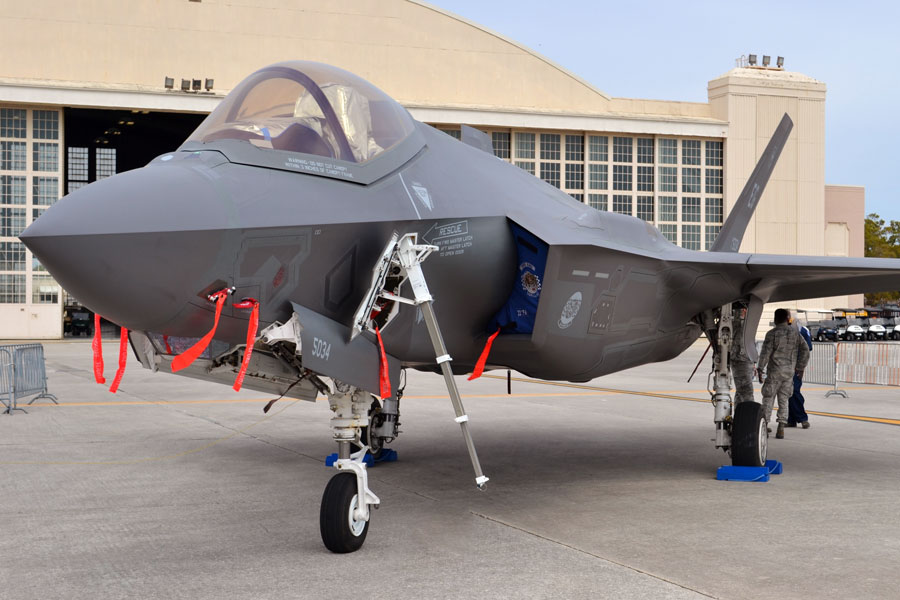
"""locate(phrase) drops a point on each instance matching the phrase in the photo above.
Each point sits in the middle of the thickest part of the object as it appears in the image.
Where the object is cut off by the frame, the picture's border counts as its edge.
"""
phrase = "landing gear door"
(326, 351)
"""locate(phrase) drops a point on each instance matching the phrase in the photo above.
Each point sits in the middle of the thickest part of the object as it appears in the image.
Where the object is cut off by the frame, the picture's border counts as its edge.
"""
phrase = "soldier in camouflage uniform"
(742, 368)
(784, 353)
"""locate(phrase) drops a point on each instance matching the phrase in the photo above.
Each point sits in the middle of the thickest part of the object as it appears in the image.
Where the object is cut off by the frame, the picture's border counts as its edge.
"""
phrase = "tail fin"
(732, 233)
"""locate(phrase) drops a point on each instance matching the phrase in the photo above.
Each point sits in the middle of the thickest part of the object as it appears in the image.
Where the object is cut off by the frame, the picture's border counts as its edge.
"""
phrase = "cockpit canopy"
(309, 107)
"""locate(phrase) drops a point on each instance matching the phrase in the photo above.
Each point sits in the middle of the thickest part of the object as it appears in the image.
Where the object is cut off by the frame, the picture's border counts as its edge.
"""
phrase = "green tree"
(882, 241)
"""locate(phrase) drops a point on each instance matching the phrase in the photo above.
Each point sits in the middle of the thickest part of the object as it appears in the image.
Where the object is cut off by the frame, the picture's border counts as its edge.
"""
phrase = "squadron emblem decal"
(531, 283)
(570, 311)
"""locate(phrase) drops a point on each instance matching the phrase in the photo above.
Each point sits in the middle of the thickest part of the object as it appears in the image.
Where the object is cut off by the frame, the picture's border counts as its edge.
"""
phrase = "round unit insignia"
(570, 311)
(531, 283)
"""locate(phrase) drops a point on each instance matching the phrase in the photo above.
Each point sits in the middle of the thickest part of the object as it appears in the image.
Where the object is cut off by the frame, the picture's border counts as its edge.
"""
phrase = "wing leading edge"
(778, 278)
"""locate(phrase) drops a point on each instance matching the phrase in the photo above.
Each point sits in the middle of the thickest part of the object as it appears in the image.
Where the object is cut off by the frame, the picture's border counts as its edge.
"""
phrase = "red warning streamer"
(186, 358)
(97, 347)
(384, 375)
(482, 360)
(123, 358)
(251, 338)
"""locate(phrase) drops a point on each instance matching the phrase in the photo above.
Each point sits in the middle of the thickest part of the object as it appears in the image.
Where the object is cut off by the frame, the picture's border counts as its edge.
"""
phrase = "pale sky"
(669, 50)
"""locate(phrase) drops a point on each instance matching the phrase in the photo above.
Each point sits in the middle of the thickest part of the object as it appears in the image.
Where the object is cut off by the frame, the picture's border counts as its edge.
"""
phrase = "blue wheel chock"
(730, 473)
(387, 455)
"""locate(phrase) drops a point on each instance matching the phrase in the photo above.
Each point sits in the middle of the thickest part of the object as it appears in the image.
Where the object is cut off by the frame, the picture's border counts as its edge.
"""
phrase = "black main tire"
(340, 532)
(749, 438)
(820, 337)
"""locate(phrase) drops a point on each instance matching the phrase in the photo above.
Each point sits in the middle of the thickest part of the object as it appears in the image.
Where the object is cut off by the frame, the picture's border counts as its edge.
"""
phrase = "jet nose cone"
(136, 247)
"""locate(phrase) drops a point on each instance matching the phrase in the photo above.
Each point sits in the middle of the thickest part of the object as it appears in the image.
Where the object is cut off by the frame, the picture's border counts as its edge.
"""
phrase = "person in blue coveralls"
(796, 411)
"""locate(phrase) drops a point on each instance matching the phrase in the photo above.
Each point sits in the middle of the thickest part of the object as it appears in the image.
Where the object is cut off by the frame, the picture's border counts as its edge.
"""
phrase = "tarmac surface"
(174, 488)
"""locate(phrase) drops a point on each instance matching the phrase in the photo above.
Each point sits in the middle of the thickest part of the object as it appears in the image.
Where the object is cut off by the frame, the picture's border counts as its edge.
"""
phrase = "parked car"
(820, 322)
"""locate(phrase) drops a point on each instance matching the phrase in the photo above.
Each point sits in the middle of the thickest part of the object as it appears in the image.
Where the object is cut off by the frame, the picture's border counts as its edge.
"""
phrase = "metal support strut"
(721, 392)
(409, 256)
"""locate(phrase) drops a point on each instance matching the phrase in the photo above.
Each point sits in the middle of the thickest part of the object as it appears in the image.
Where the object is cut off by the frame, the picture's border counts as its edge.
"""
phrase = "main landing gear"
(742, 434)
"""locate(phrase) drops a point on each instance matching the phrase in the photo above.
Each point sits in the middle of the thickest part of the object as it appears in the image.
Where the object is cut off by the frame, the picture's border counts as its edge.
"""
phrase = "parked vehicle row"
(851, 324)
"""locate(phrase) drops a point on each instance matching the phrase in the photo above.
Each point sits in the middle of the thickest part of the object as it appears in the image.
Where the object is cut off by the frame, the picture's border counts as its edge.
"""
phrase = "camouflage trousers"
(742, 371)
(782, 386)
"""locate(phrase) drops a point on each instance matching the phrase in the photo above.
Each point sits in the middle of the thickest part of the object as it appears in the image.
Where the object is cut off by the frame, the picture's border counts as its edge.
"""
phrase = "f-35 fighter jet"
(311, 238)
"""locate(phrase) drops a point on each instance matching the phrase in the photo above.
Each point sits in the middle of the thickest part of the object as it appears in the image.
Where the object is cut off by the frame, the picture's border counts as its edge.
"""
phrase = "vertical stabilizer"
(732, 233)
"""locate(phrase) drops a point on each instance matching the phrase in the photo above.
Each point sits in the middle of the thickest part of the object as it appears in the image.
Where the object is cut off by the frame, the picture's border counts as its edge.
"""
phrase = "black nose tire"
(340, 532)
(749, 438)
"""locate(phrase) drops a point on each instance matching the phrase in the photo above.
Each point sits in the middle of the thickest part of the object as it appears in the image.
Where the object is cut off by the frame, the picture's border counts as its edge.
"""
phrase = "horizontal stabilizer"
(732, 233)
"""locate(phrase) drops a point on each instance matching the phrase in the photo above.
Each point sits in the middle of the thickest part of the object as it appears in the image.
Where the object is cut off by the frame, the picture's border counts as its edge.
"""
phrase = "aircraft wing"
(782, 277)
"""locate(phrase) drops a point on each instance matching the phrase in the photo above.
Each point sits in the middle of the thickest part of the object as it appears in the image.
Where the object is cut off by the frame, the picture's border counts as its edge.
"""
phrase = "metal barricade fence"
(870, 362)
(7, 377)
(25, 374)
(823, 367)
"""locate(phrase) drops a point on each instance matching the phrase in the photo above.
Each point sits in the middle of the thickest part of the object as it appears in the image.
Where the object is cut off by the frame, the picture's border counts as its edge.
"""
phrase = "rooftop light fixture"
(170, 83)
(766, 60)
(752, 60)
(185, 85)
(209, 84)
(196, 85)
(780, 62)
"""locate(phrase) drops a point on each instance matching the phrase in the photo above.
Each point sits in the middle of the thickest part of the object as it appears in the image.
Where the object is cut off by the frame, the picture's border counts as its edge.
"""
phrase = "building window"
(714, 210)
(579, 197)
(13, 122)
(668, 179)
(668, 152)
(622, 177)
(690, 180)
(45, 190)
(12, 156)
(550, 146)
(713, 154)
(525, 147)
(622, 149)
(645, 208)
(690, 152)
(454, 133)
(12, 221)
(12, 289)
(645, 150)
(46, 156)
(598, 201)
(714, 181)
(598, 146)
(670, 231)
(526, 165)
(12, 256)
(106, 162)
(37, 212)
(621, 204)
(45, 124)
(690, 237)
(574, 176)
(712, 232)
(12, 189)
(645, 179)
(690, 210)
(500, 141)
(575, 147)
(550, 171)
(598, 177)
(668, 208)
(44, 290)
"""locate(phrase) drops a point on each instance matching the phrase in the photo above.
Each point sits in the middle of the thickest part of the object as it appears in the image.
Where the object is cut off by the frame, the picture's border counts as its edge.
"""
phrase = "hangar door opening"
(100, 143)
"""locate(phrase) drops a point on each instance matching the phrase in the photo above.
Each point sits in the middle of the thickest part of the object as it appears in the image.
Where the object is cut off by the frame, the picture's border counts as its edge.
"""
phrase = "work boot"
(791, 424)
(805, 424)
(779, 434)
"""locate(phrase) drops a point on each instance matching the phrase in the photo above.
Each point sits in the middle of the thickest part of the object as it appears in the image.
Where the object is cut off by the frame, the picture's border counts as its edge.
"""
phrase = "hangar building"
(91, 89)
